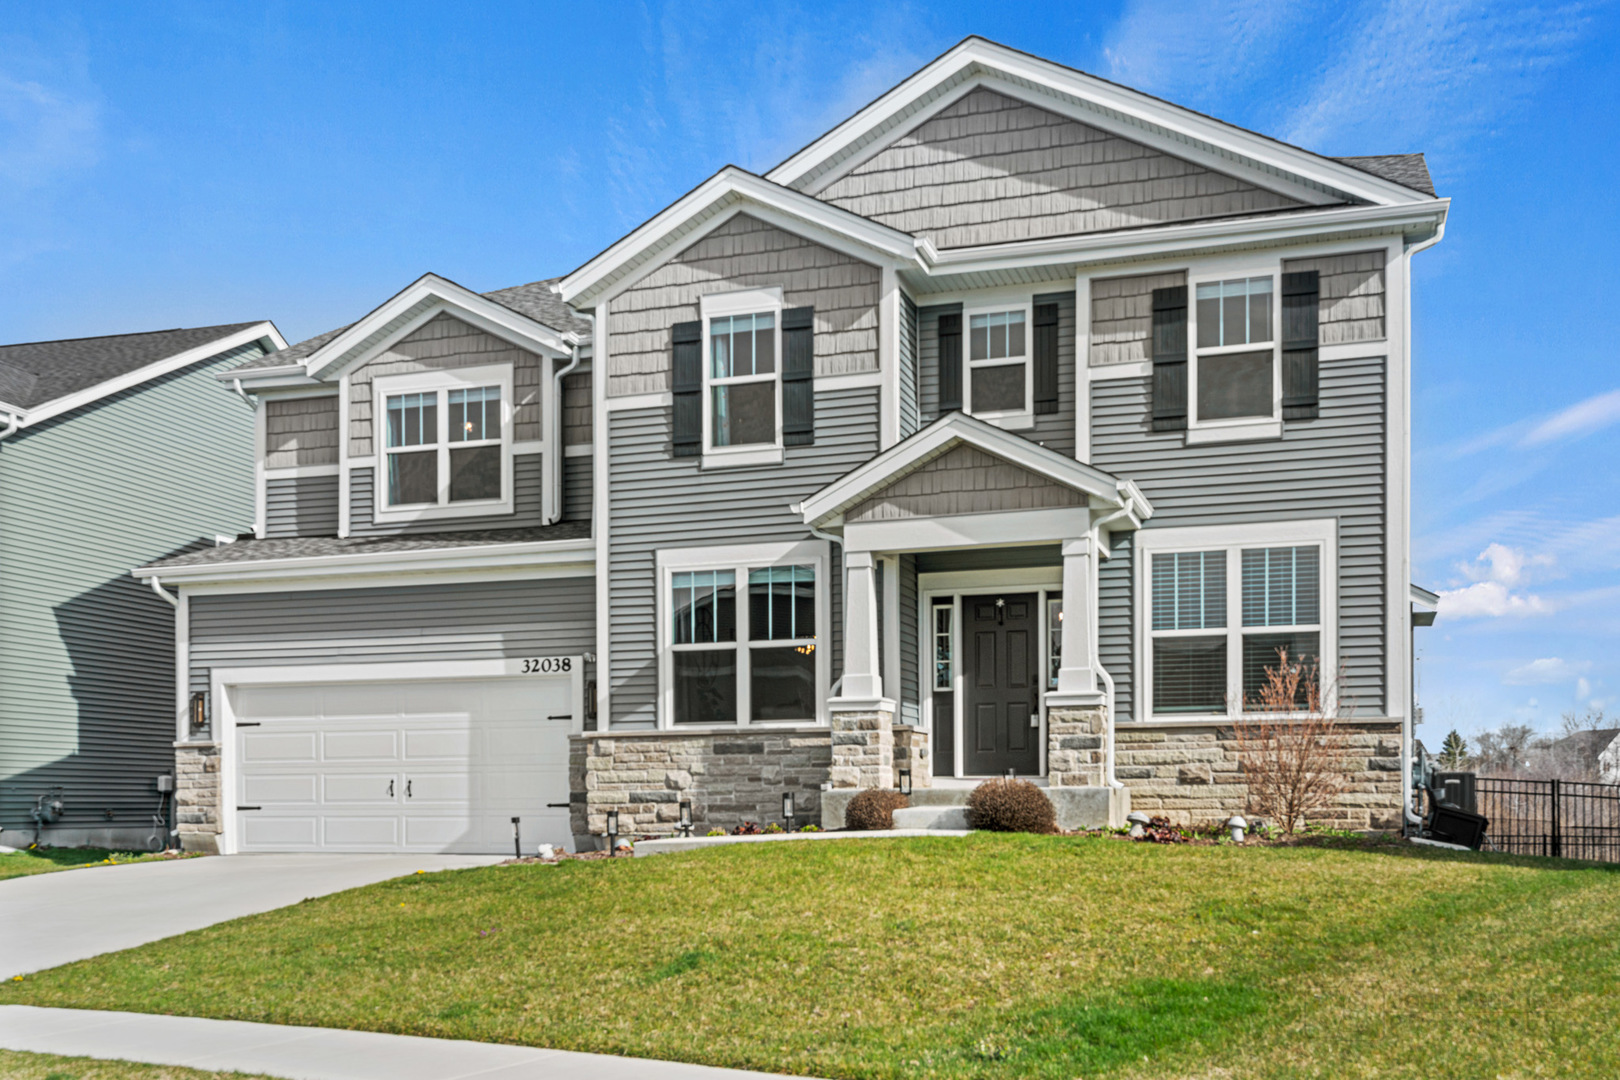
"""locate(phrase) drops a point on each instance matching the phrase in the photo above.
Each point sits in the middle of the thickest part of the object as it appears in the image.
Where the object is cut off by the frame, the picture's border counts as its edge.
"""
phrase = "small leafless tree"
(1290, 748)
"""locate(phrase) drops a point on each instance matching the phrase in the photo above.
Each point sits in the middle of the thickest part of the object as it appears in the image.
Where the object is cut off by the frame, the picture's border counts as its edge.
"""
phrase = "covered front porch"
(970, 616)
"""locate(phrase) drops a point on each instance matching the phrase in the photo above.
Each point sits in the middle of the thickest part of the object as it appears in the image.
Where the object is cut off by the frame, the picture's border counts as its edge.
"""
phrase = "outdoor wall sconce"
(787, 809)
(685, 827)
(613, 833)
(905, 782)
(1139, 823)
(199, 710)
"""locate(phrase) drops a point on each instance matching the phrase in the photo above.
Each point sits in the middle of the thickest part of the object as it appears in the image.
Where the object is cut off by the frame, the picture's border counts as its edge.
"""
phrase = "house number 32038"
(547, 665)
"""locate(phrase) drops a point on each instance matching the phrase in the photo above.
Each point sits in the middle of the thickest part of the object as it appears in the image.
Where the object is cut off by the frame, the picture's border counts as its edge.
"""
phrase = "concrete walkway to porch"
(305, 1053)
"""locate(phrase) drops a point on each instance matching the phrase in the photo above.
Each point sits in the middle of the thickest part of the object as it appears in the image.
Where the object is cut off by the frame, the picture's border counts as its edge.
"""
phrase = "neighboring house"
(1011, 426)
(1585, 755)
(1609, 761)
(113, 450)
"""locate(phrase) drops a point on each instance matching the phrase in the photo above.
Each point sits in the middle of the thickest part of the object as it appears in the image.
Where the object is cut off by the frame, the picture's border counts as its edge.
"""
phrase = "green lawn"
(15, 1066)
(46, 859)
(984, 956)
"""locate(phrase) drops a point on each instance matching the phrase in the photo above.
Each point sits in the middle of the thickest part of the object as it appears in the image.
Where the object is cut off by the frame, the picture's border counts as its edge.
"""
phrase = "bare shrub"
(1291, 751)
(1004, 805)
(874, 809)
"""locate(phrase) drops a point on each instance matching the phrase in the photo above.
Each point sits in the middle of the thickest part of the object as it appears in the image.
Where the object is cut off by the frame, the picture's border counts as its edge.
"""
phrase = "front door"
(1001, 716)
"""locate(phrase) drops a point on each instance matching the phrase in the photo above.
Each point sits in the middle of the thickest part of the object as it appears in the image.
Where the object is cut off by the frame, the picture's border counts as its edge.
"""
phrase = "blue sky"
(197, 163)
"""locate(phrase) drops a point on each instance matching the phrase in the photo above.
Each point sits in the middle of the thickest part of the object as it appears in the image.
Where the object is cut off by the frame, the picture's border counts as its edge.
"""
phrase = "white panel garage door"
(406, 766)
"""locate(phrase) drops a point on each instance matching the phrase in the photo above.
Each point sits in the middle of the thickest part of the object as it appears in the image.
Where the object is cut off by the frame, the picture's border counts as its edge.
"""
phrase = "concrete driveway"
(52, 919)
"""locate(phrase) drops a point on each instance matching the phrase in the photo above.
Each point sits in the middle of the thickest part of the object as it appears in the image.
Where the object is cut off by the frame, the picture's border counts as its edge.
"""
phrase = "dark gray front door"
(1001, 710)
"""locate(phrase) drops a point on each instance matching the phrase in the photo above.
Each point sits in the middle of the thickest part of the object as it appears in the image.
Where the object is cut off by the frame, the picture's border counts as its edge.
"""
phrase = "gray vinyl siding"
(578, 491)
(745, 253)
(988, 169)
(928, 359)
(1116, 632)
(577, 407)
(1333, 466)
(445, 342)
(301, 506)
(910, 692)
(301, 431)
(910, 418)
(528, 478)
(1122, 316)
(469, 621)
(87, 694)
(1351, 300)
(660, 502)
(1055, 431)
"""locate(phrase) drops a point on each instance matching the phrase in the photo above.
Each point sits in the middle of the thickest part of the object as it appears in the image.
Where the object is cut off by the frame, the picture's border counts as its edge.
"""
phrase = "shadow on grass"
(1401, 849)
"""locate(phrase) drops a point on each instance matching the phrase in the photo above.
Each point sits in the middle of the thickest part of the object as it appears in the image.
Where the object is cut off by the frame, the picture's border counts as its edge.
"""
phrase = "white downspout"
(13, 422)
(557, 439)
(1109, 776)
(157, 587)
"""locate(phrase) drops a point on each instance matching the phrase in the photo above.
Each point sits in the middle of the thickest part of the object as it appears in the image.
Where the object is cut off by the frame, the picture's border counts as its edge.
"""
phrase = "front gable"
(990, 168)
(964, 480)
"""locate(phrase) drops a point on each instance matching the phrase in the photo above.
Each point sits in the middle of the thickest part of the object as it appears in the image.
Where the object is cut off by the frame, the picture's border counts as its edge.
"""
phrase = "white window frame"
(740, 559)
(720, 306)
(440, 382)
(1242, 428)
(1233, 539)
(1010, 419)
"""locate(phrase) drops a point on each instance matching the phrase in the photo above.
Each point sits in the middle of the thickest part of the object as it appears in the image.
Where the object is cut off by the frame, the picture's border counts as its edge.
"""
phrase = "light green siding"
(86, 651)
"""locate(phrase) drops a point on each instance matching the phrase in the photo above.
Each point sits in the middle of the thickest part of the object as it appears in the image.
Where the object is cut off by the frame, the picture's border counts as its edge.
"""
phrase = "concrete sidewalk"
(302, 1053)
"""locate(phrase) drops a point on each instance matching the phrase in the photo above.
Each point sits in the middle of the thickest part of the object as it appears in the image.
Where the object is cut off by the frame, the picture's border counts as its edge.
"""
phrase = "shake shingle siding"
(1122, 316)
(988, 169)
(301, 506)
(576, 408)
(1331, 467)
(528, 478)
(1351, 291)
(302, 431)
(87, 696)
(662, 502)
(745, 253)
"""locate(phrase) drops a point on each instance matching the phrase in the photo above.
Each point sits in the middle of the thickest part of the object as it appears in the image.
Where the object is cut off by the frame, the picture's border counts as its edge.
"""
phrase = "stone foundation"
(1075, 746)
(728, 777)
(911, 751)
(862, 748)
(1192, 775)
(196, 796)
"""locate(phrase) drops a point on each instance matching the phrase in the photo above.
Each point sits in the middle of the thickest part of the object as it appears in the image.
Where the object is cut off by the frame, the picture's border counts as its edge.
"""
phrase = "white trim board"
(490, 556)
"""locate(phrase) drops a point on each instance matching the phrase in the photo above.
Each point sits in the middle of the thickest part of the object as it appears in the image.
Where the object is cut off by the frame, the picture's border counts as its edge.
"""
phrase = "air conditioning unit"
(1457, 827)
(1456, 790)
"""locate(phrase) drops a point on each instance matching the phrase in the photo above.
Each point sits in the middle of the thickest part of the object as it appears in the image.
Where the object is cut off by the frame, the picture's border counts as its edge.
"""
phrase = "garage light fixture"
(787, 809)
(613, 832)
(199, 710)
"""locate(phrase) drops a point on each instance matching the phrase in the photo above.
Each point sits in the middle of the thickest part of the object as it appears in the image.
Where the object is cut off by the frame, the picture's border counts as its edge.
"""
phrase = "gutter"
(157, 587)
(557, 439)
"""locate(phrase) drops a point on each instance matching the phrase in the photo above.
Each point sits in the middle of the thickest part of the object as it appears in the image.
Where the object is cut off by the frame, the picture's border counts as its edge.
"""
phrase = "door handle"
(558, 805)
(390, 787)
(407, 789)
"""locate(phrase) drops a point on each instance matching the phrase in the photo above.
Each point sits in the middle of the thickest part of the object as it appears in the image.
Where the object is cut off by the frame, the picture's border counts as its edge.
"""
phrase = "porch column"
(861, 645)
(1077, 677)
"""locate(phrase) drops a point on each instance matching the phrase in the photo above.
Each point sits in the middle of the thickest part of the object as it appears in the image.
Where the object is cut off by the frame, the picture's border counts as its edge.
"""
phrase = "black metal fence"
(1563, 818)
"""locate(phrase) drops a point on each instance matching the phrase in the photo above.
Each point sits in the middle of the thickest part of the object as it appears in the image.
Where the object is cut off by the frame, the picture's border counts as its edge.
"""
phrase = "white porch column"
(1077, 675)
(861, 679)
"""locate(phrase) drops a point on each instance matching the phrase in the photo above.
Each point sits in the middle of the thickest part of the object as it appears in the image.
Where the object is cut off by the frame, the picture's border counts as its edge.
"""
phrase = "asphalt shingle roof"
(537, 300)
(37, 372)
(308, 547)
(1408, 170)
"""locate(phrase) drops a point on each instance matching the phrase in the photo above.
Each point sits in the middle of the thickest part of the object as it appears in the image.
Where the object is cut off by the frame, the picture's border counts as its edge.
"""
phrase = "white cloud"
(1191, 51)
(1548, 669)
(1583, 689)
(1495, 573)
(44, 132)
(1582, 418)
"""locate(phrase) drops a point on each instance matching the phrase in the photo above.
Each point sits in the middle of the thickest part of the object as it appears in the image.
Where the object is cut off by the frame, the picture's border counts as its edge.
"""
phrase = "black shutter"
(687, 384)
(950, 363)
(1046, 358)
(1170, 359)
(1299, 343)
(798, 376)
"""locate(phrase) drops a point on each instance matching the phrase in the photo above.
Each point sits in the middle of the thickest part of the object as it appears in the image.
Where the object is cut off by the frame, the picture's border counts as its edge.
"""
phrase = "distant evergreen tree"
(1453, 752)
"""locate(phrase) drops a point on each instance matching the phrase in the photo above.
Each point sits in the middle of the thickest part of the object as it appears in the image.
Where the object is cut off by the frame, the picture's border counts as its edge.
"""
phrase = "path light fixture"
(787, 809)
(1237, 825)
(1012, 774)
(905, 782)
(686, 819)
(517, 839)
(1139, 823)
(613, 833)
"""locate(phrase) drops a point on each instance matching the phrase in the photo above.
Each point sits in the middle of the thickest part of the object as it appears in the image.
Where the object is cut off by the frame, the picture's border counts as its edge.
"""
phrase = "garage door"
(405, 766)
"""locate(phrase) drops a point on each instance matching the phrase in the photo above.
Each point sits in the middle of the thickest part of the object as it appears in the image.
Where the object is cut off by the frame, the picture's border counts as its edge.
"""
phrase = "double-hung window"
(743, 635)
(1235, 377)
(742, 376)
(1000, 378)
(446, 444)
(1224, 605)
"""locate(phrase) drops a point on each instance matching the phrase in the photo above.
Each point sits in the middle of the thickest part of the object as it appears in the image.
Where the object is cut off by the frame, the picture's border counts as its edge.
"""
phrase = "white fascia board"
(1122, 246)
(584, 286)
(533, 554)
(258, 331)
(938, 438)
(1191, 129)
(335, 356)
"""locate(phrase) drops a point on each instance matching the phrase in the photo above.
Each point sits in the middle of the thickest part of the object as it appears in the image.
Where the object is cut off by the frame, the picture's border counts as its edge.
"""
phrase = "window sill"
(1008, 421)
(742, 458)
(406, 515)
(1225, 433)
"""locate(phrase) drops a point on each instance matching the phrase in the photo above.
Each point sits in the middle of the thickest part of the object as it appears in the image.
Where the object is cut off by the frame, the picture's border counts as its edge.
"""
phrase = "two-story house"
(1014, 425)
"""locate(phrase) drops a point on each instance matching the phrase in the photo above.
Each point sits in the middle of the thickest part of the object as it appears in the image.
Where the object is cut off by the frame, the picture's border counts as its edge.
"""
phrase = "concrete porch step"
(932, 817)
(945, 808)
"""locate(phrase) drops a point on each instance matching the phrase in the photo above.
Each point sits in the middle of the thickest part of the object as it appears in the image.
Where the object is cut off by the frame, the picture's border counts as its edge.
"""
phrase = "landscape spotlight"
(613, 832)
(905, 782)
(686, 819)
(787, 809)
